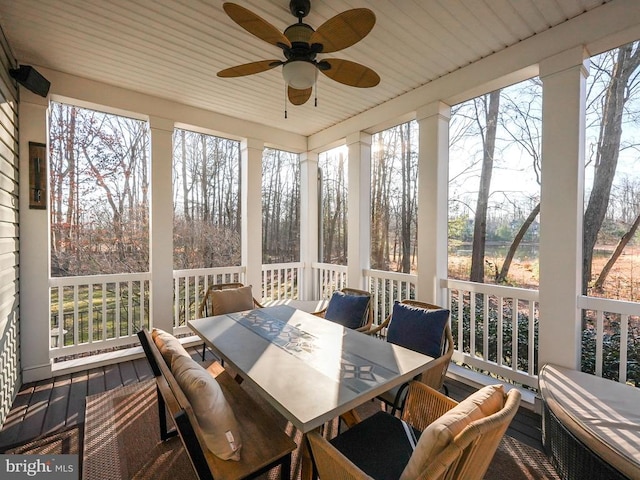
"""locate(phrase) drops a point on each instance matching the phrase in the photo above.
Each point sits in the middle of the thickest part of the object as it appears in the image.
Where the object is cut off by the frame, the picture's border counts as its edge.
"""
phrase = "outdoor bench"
(265, 444)
(590, 425)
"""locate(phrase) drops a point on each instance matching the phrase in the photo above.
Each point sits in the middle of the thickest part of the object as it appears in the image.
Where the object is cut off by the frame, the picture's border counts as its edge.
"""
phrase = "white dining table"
(309, 369)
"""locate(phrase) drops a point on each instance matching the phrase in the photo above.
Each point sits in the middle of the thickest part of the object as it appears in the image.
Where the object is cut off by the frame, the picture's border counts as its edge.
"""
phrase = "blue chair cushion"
(347, 310)
(417, 328)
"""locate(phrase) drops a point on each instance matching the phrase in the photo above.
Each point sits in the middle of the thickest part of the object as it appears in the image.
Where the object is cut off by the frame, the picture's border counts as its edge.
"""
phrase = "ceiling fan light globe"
(299, 74)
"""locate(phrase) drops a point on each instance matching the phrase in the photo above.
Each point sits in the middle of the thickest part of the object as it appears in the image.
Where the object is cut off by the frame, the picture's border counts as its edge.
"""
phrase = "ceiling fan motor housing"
(300, 8)
(299, 35)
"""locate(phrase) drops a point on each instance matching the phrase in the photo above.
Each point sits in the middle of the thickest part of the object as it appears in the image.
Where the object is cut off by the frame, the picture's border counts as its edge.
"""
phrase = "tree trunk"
(185, 184)
(504, 271)
(607, 154)
(599, 284)
(406, 201)
(482, 205)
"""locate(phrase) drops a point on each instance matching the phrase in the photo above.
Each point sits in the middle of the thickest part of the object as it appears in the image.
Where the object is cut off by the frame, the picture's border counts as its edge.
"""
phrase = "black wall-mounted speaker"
(29, 77)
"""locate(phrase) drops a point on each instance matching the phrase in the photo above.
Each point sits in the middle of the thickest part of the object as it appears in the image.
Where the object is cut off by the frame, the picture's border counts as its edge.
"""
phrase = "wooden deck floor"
(47, 406)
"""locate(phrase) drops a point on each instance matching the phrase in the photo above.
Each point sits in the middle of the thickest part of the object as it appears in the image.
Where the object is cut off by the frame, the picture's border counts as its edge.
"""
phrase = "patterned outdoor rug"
(66, 441)
(122, 441)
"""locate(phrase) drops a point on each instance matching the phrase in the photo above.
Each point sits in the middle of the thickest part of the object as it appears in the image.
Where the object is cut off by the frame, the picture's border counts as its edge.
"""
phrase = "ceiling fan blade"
(344, 29)
(256, 25)
(350, 73)
(298, 97)
(249, 68)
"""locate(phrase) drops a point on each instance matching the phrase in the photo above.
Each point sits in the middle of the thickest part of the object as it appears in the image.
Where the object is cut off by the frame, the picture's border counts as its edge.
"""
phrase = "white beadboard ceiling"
(173, 48)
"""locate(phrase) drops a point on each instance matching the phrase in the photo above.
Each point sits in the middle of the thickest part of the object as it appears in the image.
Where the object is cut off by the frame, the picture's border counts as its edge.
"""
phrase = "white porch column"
(561, 206)
(34, 249)
(359, 208)
(161, 224)
(433, 179)
(251, 208)
(308, 221)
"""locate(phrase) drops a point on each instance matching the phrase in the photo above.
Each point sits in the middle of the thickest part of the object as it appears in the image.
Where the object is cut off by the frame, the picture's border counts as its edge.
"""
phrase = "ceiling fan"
(301, 44)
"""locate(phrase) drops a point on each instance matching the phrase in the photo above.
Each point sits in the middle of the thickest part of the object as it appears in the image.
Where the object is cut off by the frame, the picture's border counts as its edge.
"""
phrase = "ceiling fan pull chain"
(285, 101)
(315, 93)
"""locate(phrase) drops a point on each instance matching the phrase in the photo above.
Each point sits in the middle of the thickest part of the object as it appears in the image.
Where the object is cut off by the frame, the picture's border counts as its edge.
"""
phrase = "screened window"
(611, 250)
(612, 176)
(280, 207)
(394, 198)
(206, 201)
(494, 186)
(333, 205)
(99, 192)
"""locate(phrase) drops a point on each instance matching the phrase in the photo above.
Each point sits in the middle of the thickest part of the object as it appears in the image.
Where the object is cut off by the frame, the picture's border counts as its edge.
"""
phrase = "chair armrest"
(203, 310)
(257, 304)
(319, 313)
(369, 323)
(375, 330)
(424, 405)
(435, 374)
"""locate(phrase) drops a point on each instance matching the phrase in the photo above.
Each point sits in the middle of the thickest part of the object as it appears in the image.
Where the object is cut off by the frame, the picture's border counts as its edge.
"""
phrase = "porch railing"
(97, 312)
(282, 281)
(189, 287)
(386, 288)
(327, 278)
(495, 329)
(611, 339)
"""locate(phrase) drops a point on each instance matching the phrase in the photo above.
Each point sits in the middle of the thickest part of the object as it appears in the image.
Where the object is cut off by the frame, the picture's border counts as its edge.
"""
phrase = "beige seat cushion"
(214, 414)
(168, 345)
(602, 413)
(435, 438)
(231, 300)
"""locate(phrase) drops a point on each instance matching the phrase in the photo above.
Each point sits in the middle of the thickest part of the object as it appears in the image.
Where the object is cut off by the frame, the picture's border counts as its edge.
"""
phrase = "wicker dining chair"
(236, 298)
(206, 309)
(435, 439)
(437, 371)
(351, 308)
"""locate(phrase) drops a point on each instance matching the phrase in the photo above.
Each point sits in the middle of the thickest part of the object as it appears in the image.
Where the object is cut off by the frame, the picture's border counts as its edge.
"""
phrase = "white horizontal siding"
(9, 259)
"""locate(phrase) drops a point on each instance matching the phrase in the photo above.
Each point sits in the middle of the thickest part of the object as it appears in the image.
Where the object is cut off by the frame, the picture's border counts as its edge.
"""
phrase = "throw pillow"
(168, 345)
(437, 436)
(231, 300)
(215, 417)
(347, 310)
(417, 328)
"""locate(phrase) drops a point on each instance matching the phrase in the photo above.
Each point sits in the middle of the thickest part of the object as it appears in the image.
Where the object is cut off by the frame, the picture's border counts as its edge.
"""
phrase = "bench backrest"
(177, 404)
(266, 445)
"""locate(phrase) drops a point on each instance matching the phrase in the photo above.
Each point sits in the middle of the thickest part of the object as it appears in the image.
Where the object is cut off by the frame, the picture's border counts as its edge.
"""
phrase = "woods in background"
(99, 170)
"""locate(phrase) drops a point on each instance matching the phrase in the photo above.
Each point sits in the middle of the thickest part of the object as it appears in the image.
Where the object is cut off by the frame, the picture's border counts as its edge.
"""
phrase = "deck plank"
(33, 421)
(112, 378)
(56, 413)
(143, 370)
(11, 429)
(77, 398)
(128, 373)
(96, 381)
(52, 404)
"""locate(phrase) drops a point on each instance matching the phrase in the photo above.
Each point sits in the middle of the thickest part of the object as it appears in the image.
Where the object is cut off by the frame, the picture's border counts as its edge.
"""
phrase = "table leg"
(307, 468)
(350, 418)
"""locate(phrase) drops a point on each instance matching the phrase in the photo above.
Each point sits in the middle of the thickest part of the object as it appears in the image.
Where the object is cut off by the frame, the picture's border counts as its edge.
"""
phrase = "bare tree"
(624, 78)
(491, 105)
(334, 209)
